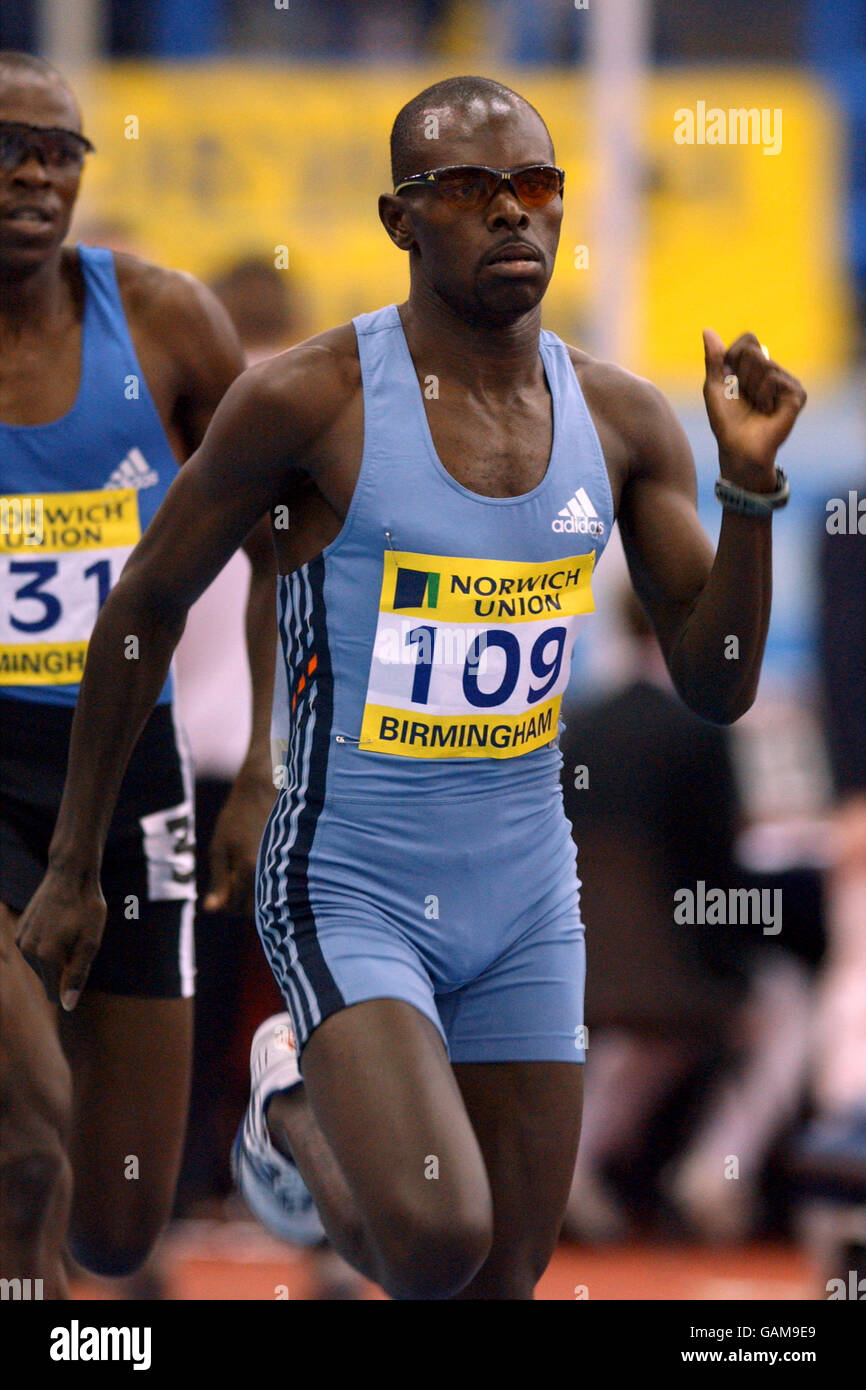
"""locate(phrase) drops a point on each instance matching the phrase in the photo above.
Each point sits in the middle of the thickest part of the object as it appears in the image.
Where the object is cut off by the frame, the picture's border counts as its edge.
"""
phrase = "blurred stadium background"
(248, 131)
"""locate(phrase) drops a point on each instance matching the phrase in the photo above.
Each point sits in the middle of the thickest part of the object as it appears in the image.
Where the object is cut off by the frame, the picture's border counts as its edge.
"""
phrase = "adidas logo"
(579, 515)
(133, 471)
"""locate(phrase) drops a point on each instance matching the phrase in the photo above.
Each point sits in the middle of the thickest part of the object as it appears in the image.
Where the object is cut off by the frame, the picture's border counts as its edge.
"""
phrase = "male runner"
(110, 370)
(451, 473)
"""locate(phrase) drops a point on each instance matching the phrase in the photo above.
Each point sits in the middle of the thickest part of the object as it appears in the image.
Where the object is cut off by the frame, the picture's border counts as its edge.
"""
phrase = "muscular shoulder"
(174, 307)
(328, 361)
(155, 294)
(630, 409)
(309, 386)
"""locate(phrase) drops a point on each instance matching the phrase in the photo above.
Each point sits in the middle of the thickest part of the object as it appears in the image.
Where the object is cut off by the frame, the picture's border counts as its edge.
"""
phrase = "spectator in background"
(264, 305)
(697, 1047)
(649, 791)
(831, 1157)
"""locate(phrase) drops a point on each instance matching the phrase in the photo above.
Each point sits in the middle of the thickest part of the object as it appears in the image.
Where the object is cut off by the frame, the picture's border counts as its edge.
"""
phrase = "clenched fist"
(752, 403)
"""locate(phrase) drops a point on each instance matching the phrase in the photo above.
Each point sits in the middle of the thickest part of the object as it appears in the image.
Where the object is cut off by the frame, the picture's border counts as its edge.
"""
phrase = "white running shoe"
(270, 1183)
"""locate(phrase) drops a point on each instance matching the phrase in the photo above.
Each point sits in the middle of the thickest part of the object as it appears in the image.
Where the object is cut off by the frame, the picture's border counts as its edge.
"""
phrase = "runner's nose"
(505, 210)
(31, 170)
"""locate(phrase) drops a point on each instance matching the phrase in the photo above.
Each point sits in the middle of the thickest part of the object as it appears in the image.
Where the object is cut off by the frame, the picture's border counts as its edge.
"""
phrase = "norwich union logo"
(416, 589)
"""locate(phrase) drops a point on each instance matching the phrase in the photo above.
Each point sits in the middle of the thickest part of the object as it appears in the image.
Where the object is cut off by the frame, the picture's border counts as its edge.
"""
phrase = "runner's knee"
(110, 1247)
(112, 1236)
(32, 1184)
(434, 1255)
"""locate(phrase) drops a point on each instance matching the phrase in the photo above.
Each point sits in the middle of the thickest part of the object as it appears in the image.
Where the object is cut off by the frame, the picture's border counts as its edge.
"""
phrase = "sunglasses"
(55, 147)
(471, 186)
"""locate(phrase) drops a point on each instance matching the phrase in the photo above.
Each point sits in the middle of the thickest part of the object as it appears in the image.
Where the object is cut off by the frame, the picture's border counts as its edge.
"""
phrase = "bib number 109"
(544, 666)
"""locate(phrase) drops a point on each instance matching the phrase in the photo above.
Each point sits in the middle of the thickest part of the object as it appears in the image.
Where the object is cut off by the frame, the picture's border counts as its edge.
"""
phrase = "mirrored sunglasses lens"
(536, 187)
(60, 148)
(12, 147)
(466, 187)
(55, 148)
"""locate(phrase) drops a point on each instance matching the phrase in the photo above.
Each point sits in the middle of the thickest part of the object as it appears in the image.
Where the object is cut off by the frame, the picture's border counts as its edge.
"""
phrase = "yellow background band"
(197, 165)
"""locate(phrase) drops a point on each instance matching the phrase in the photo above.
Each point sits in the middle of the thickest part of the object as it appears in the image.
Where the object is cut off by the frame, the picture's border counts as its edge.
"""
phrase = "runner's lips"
(35, 213)
(513, 251)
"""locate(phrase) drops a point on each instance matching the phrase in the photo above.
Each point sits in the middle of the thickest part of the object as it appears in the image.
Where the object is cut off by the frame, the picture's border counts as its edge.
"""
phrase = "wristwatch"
(738, 499)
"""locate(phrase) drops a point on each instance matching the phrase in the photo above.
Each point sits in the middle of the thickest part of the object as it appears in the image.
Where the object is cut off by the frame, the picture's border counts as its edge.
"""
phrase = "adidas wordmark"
(579, 515)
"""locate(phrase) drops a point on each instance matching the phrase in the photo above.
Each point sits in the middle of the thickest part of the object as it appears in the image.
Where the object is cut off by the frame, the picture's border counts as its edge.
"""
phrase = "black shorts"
(148, 872)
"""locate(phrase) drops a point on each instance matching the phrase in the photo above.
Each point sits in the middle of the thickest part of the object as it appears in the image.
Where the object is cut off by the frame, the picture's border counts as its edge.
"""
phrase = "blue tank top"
(427, 647)
(75, 496)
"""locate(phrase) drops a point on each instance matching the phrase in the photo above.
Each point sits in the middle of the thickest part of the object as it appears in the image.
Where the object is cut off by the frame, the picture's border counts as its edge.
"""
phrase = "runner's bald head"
(16, 68)
(410, 135)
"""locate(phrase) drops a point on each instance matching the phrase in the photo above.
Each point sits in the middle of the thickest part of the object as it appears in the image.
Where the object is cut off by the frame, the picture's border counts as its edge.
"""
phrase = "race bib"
(471, 657)
(60, 555)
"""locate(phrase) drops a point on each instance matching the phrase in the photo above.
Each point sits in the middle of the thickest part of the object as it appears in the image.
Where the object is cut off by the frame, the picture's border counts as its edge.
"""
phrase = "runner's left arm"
(710, 613)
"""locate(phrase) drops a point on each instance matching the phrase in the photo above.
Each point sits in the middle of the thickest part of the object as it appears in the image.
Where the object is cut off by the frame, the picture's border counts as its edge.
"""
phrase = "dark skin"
(297, 423)
(126, 1091)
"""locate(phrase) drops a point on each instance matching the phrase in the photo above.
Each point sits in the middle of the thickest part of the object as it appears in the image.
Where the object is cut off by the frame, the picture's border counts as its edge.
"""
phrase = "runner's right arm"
(243, 468)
